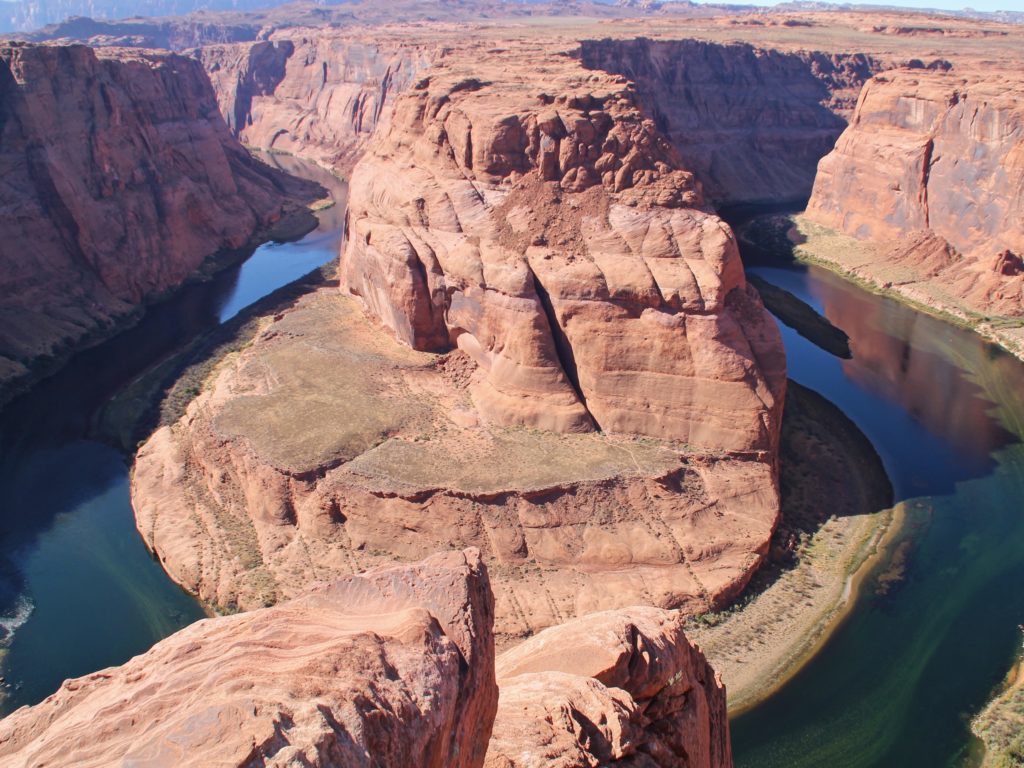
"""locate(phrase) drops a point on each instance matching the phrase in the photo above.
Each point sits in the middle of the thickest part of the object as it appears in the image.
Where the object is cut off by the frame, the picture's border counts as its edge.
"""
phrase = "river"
(78, 589)
(925, 644)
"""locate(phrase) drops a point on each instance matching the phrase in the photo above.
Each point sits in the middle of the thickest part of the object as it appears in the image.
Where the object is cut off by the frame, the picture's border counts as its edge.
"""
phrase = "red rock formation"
(389, 668)
(325, 448)
(619, 687)
(119, 179)
(750, 123)
(932, 170)
(315, 94)
(536, 218)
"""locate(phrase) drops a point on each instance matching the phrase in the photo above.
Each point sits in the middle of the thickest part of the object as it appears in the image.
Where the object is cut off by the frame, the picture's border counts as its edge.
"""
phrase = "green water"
(898, 683)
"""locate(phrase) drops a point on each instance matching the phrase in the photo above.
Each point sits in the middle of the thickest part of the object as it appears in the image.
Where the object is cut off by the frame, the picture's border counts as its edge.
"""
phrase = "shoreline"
(297, 220)
(761, 643)
(999, 727)
(998, 330)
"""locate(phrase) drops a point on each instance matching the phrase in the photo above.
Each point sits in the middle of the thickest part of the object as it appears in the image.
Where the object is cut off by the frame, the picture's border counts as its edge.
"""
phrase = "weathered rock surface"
(750, 123)
(931, 171)
(534, 217)
(327, 447)
(389, 668)
(315, 94)
(393, 667)
(119, 179)
(613, 688)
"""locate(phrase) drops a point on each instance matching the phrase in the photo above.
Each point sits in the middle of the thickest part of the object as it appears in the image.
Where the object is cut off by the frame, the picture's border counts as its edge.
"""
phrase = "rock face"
(750, 123)
(310, 93)
(613, 688)
(549, 232)
(120, 178)
(931, 170)
(389, 668)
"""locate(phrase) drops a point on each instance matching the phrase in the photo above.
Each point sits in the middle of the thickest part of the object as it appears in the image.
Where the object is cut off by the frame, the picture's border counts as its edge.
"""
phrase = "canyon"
(120, 180)
(537, 353)
(515, 242)
(928, 180)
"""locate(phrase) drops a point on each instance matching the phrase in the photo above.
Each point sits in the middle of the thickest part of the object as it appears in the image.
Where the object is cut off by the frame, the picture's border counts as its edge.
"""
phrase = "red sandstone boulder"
(619, 687)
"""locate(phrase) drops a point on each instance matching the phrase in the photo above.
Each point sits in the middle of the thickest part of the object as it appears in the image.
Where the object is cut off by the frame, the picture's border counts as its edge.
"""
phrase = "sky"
(949, 5)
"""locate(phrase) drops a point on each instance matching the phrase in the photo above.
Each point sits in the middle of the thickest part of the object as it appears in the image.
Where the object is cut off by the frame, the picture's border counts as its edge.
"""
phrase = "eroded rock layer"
(613, 688)
(931, 171)
(534, 217)
(118, 179)
(390, 668)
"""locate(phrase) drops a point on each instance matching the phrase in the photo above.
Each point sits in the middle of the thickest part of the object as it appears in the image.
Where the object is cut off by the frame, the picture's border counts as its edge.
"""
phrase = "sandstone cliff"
(310, 93)
(931, 172)
(549, 234)
(750, 123)
(534, 217)
(390, 668)
(119, 179)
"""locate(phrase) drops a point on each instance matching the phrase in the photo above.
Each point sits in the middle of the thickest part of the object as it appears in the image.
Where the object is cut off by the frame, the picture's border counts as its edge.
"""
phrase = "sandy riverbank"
(837, 511)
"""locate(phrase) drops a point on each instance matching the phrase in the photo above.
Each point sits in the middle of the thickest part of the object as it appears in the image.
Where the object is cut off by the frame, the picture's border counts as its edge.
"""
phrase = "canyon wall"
(119, 180)
(750, 123)
(931, 172)
(390, 668)
(314, 94)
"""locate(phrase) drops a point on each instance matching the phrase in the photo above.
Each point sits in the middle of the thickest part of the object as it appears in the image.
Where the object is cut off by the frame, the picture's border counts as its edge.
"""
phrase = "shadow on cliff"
(751, 124)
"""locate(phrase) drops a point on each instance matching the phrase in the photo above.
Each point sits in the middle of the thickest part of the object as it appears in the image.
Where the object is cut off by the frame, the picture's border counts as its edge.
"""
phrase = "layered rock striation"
(119, 180)
(574, 375)
(931, 174)
(310, 93)
(551, 233)
(750, 123)
(392, 668)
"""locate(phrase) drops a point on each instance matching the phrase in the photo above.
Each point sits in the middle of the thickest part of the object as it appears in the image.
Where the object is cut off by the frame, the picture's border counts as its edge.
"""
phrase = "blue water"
(78, 589)
(896, 686)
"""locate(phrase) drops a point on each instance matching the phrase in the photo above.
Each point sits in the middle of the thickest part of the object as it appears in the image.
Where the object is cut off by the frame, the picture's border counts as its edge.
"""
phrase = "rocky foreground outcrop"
(396, 668)
(389, 668)
(930, 173)
(119, 179)
(613, 688)
(544, 268)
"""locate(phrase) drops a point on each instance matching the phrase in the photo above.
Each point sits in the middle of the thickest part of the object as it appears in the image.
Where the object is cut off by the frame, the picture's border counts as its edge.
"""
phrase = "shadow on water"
(78, 589)
(935, 626)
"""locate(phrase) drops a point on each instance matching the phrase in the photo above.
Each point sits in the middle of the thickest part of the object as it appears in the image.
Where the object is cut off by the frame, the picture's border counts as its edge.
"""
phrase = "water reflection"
(78, 590)
(897, 683)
